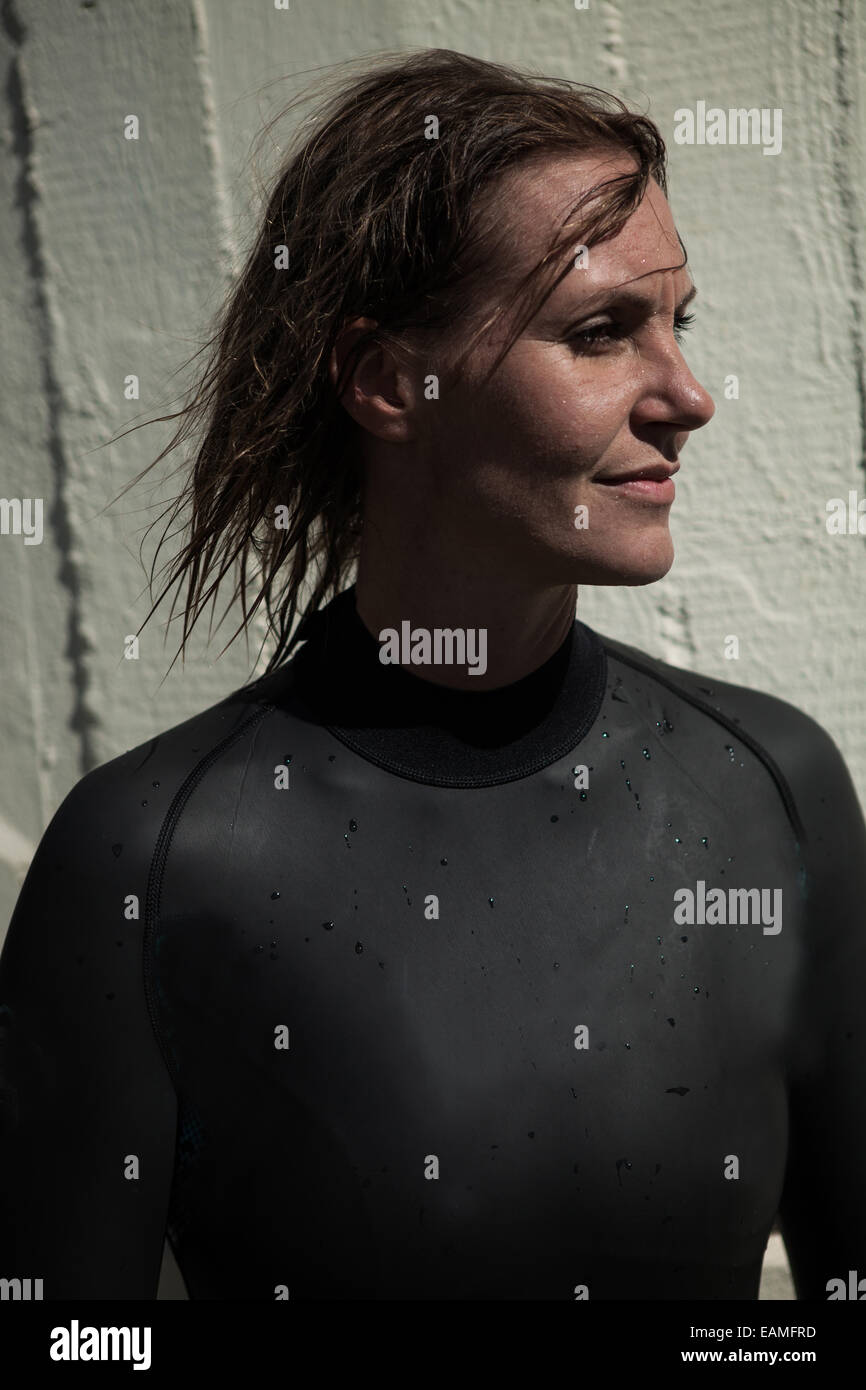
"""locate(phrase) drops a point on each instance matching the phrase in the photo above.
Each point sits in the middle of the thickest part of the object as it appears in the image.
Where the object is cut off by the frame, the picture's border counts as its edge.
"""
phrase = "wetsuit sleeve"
(823, 1208)
(87, 1109)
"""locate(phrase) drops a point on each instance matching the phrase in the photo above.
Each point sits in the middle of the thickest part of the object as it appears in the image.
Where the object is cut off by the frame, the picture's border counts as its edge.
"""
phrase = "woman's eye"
(597, 336)
(602, 333)
(682, 322)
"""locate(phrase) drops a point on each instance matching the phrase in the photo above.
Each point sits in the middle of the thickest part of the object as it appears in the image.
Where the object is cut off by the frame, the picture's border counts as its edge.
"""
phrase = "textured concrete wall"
(114, 252)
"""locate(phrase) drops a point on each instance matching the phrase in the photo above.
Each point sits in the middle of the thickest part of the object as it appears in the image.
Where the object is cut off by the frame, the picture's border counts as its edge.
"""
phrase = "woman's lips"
(650, 488)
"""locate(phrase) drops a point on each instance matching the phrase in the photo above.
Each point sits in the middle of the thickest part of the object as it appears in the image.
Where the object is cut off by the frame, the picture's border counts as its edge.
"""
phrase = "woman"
(467, 954)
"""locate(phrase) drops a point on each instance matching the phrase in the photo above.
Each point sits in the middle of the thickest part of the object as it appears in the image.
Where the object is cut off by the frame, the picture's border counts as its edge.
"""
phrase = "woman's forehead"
(535, 204)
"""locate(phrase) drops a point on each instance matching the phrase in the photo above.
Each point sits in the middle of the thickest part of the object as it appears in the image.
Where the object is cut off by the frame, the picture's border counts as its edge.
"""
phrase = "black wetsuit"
(423, 1023)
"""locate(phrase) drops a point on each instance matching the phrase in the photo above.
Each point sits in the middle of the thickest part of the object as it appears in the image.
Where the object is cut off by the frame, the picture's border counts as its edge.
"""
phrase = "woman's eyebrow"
(625, 297)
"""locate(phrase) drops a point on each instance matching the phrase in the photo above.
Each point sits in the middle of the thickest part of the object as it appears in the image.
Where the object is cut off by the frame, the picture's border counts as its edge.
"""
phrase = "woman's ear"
(379, 393)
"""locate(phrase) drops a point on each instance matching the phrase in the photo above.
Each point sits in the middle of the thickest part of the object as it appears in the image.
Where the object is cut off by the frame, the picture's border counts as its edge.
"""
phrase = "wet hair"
(383, 207)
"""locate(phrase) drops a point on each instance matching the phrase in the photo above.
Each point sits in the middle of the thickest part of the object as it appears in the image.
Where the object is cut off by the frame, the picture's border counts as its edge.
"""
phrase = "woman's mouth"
(654, 484)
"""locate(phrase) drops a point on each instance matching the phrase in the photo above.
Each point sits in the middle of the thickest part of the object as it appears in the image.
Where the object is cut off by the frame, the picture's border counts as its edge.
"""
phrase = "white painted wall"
(113, 253)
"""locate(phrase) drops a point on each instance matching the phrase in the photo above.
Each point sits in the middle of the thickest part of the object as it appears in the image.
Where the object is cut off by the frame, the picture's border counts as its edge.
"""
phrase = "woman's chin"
(648, 568)
(633, 565)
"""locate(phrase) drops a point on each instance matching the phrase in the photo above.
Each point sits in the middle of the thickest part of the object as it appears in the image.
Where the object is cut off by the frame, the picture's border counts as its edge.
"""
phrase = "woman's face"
(595, 388)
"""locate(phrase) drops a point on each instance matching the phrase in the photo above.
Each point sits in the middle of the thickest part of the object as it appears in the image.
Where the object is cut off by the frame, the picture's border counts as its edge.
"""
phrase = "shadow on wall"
(775, 1275)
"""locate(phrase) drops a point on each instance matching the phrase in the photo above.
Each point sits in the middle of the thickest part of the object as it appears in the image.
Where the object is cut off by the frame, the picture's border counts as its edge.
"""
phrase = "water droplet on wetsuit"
(329, 926)
(275, 894)
(358, 948)
(621, 1163)
(353, 825)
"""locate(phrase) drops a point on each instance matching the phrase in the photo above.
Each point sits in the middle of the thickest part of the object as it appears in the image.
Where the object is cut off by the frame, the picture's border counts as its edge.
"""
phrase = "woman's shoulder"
(759, 713)
(121, 808)
(795, 746)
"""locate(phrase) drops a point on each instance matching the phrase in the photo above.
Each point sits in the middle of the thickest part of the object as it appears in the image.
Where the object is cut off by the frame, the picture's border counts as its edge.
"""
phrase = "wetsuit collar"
(437, 735)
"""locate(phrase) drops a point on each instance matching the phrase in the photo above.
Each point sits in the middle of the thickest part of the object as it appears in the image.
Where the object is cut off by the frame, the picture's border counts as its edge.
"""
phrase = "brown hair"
(368, 216)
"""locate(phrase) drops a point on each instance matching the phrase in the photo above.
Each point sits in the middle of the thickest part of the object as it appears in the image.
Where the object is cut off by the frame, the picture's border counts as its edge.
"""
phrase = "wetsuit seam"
(156, 870)
(429, 779)
(749, 740)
